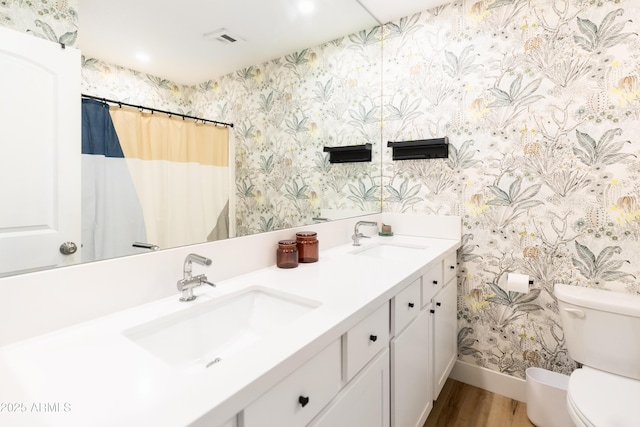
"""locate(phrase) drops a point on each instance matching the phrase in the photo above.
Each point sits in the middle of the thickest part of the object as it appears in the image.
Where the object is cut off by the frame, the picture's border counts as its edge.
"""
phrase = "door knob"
(68, 248)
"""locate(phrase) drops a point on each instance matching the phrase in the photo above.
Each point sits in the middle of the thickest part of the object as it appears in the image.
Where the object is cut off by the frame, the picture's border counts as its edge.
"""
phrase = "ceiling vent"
(223, 36)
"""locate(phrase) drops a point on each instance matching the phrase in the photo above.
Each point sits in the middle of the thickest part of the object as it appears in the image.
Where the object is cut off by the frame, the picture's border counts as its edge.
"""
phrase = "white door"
(40, 147)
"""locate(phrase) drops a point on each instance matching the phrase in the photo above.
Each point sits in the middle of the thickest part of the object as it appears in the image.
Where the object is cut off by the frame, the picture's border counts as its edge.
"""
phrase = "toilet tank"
(601, 328)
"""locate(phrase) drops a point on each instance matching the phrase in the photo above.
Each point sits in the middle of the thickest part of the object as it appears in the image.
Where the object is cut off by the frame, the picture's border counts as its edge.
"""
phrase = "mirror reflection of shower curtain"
(111, 213)
(180, 170)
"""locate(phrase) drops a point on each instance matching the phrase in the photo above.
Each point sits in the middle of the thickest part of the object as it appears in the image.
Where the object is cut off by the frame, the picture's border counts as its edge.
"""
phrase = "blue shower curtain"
(112, 217)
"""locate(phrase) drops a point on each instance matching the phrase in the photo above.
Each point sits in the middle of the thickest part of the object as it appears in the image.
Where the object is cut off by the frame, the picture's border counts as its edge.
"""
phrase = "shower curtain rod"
(184, 116)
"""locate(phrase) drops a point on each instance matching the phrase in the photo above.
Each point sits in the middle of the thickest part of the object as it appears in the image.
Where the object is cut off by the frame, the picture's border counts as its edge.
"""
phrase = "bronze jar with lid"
(287, 254)
(307, 242)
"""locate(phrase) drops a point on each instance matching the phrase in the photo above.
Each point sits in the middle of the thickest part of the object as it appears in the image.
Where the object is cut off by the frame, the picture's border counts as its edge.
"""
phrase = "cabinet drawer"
(405, 307)
(301, 395)
(365, 340)
(450, 267)
(431, 283)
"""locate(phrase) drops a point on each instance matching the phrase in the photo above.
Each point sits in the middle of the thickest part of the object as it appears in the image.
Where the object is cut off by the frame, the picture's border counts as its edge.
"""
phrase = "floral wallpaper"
(110, 81)
(55, 20)
(541, 103)
(285, 111)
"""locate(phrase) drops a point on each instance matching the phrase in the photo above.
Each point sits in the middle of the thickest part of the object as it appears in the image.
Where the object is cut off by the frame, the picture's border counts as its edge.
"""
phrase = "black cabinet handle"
(438, 304)
(432, 311)
(411, 305)
(453, 267)
(435, 282)
(303, 400)
(373, 338)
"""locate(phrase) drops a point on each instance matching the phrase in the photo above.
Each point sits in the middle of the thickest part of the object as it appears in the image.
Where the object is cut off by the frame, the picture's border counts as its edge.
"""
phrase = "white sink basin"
(392, 251)
(210, 332)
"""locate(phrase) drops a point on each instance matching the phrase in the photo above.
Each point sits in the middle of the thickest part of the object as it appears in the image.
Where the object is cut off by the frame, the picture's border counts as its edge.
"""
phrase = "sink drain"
(213, 362)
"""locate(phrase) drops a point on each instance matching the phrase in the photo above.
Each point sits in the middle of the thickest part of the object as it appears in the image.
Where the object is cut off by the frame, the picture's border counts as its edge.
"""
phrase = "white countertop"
(91, 374)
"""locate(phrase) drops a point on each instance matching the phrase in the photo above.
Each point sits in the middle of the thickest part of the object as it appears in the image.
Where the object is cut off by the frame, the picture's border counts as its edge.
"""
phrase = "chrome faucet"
(357, 235)
(189, 281)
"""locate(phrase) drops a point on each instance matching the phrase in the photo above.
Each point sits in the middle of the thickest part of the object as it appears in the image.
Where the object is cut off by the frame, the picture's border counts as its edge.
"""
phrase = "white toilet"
(602, 331)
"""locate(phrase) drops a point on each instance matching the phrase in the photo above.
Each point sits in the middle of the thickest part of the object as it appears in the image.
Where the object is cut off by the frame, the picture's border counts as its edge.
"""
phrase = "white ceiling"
(170, 33)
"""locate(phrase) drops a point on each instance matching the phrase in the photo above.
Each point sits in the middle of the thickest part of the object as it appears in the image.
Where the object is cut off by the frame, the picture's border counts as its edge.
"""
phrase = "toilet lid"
(602, 399)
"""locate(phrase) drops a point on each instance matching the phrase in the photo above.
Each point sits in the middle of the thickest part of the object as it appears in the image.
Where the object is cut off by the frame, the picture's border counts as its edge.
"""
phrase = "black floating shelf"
(437, 148)
(349, 153)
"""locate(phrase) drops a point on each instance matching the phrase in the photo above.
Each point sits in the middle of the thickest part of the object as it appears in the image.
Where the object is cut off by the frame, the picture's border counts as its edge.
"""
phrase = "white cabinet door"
(445, 339)
(363, 402)
(40, 148)
(411, 373)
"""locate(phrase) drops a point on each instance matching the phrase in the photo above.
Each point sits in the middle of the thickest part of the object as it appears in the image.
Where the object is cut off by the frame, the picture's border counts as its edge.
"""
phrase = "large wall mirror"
(300, 76)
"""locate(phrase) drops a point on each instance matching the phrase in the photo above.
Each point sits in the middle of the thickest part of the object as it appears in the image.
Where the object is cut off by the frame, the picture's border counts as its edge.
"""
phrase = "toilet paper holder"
(518, 283)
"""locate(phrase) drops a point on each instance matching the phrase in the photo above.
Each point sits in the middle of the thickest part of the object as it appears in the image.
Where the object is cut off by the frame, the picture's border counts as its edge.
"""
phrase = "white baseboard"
(495, 382)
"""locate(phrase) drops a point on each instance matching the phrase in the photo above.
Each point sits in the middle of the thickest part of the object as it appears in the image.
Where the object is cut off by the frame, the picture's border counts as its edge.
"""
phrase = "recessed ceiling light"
(143, 57)
(306, 7)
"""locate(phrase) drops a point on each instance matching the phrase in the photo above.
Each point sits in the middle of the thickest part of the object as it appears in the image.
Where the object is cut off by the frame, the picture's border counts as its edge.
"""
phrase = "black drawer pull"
(432, 311)
(373, 338)
(303, 400)
(438, 304)
(411, 305)
(435, 282)
(453, 267)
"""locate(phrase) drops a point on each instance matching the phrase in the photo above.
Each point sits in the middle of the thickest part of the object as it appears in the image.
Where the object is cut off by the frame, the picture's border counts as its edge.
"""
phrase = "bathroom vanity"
(364, 336)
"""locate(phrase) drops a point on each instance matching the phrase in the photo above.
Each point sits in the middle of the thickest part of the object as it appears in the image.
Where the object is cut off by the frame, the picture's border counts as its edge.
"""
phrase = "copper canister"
(307, 246)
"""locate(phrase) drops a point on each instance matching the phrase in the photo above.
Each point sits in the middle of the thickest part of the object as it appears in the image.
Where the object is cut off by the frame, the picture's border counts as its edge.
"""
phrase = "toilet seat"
(575, 415)
(601, 399)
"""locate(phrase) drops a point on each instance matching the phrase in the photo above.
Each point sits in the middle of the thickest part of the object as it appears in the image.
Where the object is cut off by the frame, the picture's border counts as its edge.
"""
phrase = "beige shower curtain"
(181, 172)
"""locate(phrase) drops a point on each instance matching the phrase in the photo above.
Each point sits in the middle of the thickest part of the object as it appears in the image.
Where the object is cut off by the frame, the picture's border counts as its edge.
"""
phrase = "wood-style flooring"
(463, 405)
